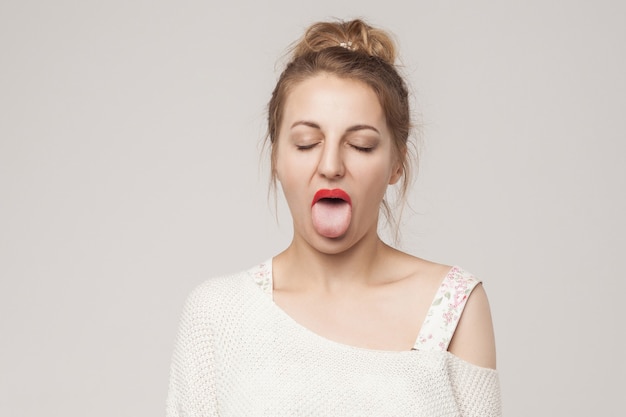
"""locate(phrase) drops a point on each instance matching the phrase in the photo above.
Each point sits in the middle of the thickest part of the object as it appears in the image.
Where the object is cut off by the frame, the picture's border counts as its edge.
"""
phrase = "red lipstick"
(336, 193)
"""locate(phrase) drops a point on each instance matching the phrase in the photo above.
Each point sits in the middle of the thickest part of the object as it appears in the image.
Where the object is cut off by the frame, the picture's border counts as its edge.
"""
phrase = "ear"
(276, 175)
(396, 173)
(274, 166)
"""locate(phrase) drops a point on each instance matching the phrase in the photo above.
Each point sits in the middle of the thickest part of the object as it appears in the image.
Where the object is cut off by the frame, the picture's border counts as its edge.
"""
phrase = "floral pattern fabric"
(262, 275)
(445, 311)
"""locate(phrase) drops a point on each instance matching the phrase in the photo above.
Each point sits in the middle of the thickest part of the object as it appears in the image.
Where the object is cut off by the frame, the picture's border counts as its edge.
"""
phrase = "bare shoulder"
(429, 274)
(418, 279)
(473, 340)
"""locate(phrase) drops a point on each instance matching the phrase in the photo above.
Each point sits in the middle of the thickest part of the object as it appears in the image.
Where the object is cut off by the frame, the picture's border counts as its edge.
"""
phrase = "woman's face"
(334, 160)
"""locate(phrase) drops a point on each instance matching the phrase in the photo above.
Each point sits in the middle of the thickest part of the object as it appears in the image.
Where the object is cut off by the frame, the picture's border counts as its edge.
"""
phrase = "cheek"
(377, 174)
(288, 175)
(284, 163)
(279, 166)
(372, 186)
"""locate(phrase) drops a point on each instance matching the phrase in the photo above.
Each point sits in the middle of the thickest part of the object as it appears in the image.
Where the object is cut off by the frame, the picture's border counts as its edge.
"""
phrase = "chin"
(332, 246)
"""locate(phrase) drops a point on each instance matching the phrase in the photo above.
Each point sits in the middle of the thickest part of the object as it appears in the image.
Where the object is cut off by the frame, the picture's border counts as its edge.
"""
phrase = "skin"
(355, 289)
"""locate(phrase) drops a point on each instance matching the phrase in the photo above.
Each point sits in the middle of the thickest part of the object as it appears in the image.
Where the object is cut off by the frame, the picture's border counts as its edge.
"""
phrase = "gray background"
(130, 171)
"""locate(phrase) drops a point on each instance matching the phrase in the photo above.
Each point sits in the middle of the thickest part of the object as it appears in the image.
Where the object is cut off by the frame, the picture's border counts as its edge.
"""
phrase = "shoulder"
(427, 274)
(459, 312)
(210, 286)
(473, 340)
(214, 292)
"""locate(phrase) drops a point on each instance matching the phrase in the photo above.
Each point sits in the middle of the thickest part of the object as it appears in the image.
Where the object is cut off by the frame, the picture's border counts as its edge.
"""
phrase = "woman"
(339, 323)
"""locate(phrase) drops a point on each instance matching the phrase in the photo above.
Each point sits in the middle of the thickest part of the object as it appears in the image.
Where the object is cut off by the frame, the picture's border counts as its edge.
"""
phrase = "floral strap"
(262, 275)
(445, 311)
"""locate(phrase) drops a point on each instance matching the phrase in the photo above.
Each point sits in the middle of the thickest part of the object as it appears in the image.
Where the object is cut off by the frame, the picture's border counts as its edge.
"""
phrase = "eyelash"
(357, 148)
(305, 147)
(362, 149)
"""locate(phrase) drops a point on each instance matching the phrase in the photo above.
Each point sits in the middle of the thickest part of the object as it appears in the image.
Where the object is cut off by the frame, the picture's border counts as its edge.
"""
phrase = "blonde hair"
(357, 51)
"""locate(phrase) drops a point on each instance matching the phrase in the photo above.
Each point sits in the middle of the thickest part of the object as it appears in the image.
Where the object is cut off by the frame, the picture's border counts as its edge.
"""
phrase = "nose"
(331, 164)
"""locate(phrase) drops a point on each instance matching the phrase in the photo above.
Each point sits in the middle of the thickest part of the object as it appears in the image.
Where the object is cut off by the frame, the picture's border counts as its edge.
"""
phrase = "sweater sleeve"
(476, 389)
(192, 381)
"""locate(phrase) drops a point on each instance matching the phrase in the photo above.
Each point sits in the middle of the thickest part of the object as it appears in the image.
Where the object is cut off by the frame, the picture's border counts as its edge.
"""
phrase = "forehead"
(328, 99)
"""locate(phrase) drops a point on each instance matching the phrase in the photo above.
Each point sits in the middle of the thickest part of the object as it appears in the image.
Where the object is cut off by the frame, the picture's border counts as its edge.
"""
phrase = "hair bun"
(355, 35)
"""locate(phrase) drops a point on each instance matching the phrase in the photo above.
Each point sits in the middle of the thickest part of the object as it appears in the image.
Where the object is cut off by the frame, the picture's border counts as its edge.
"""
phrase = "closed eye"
(363, 148)
(305, 147)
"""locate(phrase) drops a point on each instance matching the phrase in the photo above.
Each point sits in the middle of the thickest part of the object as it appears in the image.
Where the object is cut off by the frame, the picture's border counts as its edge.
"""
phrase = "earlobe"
(396, 174)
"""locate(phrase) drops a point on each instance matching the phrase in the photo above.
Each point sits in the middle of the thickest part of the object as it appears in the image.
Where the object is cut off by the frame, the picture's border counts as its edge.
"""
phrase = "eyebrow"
(362, 127)
(354, 128)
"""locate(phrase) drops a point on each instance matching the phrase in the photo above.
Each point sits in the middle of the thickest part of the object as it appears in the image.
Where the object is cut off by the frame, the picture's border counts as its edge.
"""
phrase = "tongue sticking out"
(331, 217)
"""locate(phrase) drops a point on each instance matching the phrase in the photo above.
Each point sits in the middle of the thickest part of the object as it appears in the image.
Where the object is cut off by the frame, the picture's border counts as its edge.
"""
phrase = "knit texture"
(238, 354)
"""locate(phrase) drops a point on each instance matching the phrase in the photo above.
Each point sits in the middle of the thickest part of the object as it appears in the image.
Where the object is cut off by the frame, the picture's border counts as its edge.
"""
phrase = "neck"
(303, 267)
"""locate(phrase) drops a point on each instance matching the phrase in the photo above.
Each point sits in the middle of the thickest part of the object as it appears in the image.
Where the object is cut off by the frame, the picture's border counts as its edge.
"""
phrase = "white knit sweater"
(238, 354)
